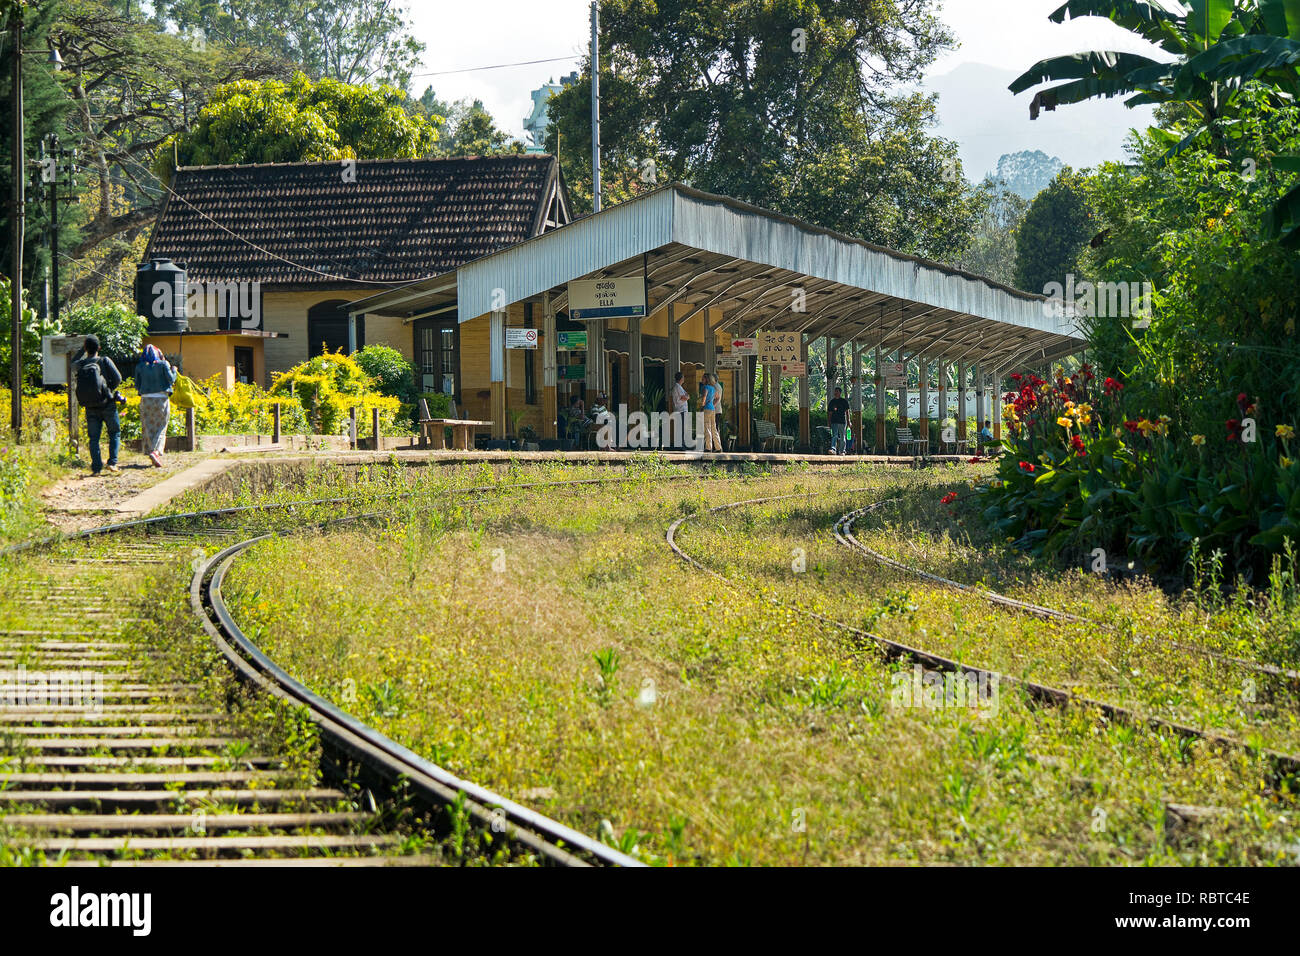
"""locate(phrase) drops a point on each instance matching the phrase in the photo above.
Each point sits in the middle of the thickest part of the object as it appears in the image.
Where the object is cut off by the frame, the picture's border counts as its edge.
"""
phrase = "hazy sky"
(1008, 34)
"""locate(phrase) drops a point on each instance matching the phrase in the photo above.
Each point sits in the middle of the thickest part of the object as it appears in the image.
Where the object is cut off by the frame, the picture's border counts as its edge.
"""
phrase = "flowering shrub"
(1080, 473)
(328, 386)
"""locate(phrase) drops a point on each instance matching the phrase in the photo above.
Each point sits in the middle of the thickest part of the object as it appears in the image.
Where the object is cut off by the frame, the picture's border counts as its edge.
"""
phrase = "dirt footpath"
(82, 501)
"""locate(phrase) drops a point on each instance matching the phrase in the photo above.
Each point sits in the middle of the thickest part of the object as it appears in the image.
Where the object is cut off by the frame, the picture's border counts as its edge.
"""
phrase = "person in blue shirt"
(986, 434)
(709, 412)
(154, 378)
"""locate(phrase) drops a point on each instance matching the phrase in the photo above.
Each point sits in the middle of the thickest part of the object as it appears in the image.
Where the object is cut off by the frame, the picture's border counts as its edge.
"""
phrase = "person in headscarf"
(154, 378)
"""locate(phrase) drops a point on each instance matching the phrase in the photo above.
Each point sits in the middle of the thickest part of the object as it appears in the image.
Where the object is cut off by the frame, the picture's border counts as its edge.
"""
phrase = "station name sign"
(607, 298)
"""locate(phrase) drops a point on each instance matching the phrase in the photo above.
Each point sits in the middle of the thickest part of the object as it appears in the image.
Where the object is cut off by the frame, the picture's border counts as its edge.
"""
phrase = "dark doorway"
(327, 328)
(243, 365)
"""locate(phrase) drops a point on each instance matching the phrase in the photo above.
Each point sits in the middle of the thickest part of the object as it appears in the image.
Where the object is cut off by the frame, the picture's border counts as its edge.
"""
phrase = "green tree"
(992, 250)
(352, 41)
(1216, 51)
(471, 131)
(1055, 230)
(792, 106)
(274, 122)
(132, 85)
(45, 107)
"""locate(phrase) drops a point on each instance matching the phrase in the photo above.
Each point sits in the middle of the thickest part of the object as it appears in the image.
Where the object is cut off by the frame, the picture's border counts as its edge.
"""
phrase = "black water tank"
(160, 295)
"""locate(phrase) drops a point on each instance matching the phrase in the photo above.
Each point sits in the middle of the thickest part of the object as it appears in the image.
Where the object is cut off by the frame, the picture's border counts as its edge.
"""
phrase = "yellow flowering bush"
(328, 386)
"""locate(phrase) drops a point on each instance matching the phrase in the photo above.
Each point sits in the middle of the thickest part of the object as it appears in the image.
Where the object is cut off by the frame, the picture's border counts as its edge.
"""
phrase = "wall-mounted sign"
(572, 373)
(521, 338)
(797, 369)
(571, 341)
(744, 346)
(729, 360)
(894, 375)
(777, 348)
(607, 298)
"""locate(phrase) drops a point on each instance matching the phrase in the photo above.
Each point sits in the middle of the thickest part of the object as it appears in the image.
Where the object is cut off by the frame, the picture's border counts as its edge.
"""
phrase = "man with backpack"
(97, 382)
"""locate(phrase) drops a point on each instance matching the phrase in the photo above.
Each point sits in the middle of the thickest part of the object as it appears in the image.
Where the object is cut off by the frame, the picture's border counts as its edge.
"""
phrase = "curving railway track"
(107, 759)
(1282, 764)
(843, 529)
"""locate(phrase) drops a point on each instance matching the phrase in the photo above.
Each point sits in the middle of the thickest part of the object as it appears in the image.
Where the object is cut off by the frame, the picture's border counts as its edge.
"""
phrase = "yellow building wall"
(203, 356)
(286, 312)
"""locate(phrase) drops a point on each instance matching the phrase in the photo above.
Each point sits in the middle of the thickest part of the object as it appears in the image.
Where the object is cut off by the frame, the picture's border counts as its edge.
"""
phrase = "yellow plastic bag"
(183, 392)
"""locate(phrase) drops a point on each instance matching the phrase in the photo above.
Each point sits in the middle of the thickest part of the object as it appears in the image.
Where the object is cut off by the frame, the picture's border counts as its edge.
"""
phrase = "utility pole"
(595, 106)
(16, 215)
(54, 231)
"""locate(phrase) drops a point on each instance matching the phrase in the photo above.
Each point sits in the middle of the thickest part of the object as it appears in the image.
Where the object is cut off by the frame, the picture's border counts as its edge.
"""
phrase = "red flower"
(1131, 426)
(1241, 398)
(974, 461)
(1026, 467)
(1111, 387)
(1077, 444)
(949, 498)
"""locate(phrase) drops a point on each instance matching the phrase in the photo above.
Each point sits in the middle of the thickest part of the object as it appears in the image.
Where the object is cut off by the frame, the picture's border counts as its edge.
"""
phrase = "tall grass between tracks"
(547, 644)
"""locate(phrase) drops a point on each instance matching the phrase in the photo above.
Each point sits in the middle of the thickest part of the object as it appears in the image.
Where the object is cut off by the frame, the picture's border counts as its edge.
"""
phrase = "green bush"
(33, 329)
(119, 330)
(391, 372)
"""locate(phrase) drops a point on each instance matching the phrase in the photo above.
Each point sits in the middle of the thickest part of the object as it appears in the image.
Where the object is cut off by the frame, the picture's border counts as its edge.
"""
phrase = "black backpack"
(92, 387)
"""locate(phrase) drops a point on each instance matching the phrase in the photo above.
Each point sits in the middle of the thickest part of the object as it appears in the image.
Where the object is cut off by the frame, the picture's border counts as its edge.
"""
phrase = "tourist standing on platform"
(712, 440)
(679, 405)
(837, 410)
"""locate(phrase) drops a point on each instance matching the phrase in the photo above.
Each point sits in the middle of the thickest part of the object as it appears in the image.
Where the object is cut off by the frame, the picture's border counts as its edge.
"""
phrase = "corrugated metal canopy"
(763, 271)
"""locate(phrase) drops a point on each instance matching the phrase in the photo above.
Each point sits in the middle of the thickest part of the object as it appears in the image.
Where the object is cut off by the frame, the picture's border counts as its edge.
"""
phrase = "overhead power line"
(499, 66)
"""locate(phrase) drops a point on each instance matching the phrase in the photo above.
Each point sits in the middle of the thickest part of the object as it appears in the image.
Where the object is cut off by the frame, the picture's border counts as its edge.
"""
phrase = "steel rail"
(551, 840)
(380, 753)
(1044, 693)
(844, 535)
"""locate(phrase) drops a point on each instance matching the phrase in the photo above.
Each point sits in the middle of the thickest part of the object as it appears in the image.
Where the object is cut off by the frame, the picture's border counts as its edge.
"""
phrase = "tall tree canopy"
(798, 106)
(274, 122)
(1055, 230)
(353, 41)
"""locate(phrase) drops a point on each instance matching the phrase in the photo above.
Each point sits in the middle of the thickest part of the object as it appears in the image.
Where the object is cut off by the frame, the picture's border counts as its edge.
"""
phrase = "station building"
(442, 258)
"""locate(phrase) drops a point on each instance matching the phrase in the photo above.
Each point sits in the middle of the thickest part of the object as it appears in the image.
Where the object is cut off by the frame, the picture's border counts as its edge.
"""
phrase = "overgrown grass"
(546, 643)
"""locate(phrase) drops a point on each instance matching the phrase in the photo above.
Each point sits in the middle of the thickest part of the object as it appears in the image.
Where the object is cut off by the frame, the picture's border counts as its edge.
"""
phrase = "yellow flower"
(1198, 440)
(1045, 458)
(1085, 419)
(1285, 432)
(1117, 432)
(1065, 422)
(1286, 462)
(1165, 419)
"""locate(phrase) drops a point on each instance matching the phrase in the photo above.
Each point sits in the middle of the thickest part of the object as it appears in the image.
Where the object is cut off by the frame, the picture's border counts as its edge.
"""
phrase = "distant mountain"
(978, 111)
(1026, 173)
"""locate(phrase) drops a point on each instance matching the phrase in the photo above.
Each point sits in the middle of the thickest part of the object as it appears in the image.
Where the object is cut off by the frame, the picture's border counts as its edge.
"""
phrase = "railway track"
(107, 759)
(844, 536)
(1282, 764)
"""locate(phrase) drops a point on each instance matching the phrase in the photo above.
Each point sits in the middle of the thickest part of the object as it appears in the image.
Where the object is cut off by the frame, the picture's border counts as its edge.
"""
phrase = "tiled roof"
(384, 221)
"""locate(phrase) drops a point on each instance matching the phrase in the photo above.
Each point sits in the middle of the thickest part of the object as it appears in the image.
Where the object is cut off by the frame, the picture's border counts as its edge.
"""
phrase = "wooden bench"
(765, 432)
(462, 432)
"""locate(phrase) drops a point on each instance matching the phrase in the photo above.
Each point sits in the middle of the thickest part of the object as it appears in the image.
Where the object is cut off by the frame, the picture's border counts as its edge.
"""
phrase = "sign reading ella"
(607, 298)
